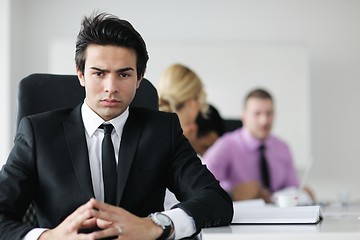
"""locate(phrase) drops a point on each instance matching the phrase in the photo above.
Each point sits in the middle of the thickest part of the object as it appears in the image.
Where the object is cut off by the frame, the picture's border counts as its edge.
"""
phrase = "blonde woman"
(181, 91)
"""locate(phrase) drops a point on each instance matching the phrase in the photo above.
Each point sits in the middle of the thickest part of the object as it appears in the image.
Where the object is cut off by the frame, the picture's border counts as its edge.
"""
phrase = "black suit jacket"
(49, 165)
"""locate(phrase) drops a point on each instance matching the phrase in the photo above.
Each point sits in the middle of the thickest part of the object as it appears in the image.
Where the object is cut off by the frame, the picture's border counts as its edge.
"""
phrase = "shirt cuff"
(34, 234)
(184, 225)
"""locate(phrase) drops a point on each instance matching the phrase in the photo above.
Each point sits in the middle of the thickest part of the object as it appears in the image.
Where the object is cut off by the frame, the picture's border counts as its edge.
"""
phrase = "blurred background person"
(250, 162)
(181, 91)
(210, 127)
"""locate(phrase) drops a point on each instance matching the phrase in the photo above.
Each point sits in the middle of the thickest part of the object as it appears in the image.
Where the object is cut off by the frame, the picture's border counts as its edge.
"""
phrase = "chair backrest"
(232, 124)
(42, 92)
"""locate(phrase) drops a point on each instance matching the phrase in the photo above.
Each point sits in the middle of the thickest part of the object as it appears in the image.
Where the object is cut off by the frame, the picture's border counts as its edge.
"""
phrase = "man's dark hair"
(258, 93)
(106, 29)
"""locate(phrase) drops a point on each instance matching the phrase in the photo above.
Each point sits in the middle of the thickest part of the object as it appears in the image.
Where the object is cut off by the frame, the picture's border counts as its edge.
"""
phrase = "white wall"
(328, 29)
(5, 96)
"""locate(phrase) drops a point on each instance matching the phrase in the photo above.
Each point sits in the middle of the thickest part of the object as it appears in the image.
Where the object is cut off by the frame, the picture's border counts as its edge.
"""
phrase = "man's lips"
(110, 102)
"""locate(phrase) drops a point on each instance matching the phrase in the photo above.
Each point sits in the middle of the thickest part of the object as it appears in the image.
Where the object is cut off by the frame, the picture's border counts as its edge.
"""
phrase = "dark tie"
(109, 165)
(264, 167)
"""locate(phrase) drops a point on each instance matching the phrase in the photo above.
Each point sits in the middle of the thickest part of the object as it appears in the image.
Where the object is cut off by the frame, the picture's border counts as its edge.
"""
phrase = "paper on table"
(276, 215)
(259, 202)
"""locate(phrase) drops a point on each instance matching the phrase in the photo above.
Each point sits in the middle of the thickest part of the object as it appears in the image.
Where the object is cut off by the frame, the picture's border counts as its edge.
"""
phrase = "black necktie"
(264, 167)
(108, 165)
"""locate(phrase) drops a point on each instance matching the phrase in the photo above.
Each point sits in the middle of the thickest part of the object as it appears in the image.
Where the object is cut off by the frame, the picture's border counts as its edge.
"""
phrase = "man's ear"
(81, 77)
(138, 82)
(243, 117)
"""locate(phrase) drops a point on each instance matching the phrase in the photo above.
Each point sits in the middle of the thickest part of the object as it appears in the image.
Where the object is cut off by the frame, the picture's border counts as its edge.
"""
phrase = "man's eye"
(123, 75)
(99, 74)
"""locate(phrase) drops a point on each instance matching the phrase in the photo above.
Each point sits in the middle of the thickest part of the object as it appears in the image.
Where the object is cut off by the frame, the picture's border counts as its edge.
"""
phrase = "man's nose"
(264, 119)
(110, 83)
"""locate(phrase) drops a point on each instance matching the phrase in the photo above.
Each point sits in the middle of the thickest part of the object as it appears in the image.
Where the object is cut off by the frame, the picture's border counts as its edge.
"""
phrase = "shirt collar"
(92, 121)
(253, 142)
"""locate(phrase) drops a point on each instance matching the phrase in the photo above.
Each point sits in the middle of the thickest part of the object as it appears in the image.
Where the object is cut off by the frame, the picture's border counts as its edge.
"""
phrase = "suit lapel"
(77, 146)
(128, 146)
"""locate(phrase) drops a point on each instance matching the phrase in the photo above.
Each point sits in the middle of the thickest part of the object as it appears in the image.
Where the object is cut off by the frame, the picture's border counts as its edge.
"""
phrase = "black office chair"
(42, 92)
(232, 124)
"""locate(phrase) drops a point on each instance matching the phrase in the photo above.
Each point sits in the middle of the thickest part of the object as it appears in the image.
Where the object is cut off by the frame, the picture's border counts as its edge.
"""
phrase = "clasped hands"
(113, 222)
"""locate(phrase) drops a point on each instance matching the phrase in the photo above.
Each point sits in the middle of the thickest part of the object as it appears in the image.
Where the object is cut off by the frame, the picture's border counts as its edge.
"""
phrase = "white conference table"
(338, 222)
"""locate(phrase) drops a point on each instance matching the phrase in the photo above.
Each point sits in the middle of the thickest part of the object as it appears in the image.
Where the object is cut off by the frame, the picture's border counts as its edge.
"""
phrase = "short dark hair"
(106, 29)
(211, 122)
(258, 93)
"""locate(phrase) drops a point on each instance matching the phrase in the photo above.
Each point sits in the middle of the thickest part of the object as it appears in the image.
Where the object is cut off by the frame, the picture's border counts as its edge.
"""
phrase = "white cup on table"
(286, 200)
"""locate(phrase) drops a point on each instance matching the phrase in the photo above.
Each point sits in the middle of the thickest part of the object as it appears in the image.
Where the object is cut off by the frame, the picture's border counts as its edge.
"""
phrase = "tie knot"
(107, 128)
(262, 148)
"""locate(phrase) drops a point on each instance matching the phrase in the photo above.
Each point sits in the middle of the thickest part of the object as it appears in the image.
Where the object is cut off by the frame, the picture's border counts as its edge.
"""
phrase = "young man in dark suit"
(57, 160)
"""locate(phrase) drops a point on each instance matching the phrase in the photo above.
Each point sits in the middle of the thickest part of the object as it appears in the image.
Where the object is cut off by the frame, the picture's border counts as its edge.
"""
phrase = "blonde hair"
(178, 84)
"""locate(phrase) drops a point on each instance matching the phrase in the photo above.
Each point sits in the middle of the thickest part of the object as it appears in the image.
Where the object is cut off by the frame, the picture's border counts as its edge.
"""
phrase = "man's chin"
(262, 135)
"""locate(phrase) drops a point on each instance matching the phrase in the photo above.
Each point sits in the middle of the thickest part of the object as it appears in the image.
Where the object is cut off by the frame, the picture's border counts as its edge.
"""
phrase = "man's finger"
(112, 231)
(89, 223)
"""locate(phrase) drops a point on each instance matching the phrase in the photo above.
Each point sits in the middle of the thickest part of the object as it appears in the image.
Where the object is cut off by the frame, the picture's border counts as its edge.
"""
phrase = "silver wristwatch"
(164, 222)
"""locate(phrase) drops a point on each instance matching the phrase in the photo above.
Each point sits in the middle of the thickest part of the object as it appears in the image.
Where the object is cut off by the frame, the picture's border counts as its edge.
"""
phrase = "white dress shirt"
(94, 136)
(184, 225)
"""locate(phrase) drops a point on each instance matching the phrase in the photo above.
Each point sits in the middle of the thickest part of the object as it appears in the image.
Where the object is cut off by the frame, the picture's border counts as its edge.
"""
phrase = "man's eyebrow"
(119, 70)
(125, 69)
(99, 69)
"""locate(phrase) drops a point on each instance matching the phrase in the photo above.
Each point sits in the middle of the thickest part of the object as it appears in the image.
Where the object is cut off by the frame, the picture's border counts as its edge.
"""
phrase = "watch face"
(163, 219)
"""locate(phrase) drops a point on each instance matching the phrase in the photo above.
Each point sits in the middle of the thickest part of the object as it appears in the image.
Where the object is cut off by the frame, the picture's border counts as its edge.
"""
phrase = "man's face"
(258, 117)
(110, 79)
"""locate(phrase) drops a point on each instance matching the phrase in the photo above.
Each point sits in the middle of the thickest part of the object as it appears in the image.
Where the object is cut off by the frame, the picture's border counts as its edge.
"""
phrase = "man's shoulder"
(53, 117)
(145, 112)
(278, 140)
(46, 121)
(231, 136)
(227, 141)
(52, 114)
